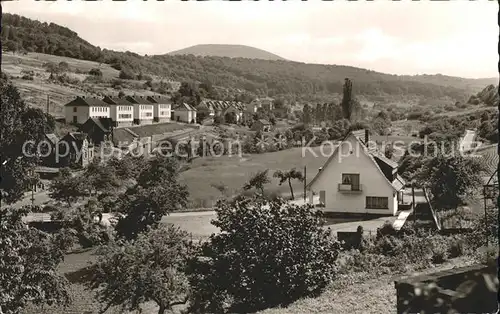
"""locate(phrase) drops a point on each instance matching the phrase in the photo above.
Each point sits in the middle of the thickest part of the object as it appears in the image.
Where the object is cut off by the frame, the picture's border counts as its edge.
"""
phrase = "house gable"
(366, 163)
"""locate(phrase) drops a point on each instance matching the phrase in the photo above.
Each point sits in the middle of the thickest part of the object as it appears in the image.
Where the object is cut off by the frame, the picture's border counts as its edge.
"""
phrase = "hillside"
(293, 81)
(230, 51)
(488, 96)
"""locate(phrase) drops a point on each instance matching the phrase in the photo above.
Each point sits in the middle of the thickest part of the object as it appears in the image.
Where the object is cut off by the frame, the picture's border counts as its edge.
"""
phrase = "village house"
(143, 109)
(81, 108)
(231, 111)
(162, 108)
(75, 149)
(98, 129)
(185, 113)
(48, 150)
(262, 125)
(121, 111)
(264, 103)
(358, 179)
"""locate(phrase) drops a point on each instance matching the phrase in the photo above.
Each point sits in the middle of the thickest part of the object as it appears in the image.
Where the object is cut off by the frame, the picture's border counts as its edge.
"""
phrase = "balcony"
(349, 188)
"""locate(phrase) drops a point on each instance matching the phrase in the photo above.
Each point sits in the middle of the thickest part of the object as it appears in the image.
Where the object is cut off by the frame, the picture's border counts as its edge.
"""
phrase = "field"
(35, 92)
(235, 171)
(490, 159)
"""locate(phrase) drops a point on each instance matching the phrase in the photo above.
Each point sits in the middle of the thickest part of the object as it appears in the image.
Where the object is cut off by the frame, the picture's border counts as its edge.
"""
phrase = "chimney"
(367, 137)
(83, 96)
(319, 169)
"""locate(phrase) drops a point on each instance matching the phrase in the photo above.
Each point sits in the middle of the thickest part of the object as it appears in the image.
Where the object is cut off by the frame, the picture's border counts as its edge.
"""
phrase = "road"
(467, 140)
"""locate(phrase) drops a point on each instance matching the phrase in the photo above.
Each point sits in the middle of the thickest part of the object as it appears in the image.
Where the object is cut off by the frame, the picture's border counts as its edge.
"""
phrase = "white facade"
(143, 114)
(80, 114)
(99, 112)
(122, 115)
(162, 112)
(372, 193)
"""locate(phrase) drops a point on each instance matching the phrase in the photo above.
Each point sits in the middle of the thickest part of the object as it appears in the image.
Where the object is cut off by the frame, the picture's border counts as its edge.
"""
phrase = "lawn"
(375, 296)
(235, 171)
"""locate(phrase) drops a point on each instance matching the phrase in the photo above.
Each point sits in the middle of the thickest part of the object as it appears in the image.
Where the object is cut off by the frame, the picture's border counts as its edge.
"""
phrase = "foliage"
(450, 179)
(156, 193)
(149, 268)
(258, 181)
(95, 72)
(126, 74)
(267, 254)
(81, 224)
(28, 263)
(67, 188)
(19, 125)
(288, 176)
(294, 80)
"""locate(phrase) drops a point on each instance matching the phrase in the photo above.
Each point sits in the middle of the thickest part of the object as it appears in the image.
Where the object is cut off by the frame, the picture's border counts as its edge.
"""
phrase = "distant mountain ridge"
(230, 51)
(295, 80)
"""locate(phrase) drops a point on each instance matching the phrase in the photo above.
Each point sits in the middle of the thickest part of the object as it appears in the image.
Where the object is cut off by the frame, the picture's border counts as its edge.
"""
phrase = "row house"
(266, 104)
(82, 108)
(162, 111)
(123, 111)
(143, 109)
(230, 110)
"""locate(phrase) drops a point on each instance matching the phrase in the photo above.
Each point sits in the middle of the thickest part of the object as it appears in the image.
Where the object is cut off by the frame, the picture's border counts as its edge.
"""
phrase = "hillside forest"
(292, 81)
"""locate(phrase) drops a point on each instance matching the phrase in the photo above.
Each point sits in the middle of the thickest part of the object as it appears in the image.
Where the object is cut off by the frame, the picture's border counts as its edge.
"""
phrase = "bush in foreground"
(268, 253)
(149, 268)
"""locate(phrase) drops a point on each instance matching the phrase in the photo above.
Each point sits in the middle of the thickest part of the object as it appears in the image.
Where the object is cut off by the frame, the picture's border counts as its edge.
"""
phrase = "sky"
(458, 38)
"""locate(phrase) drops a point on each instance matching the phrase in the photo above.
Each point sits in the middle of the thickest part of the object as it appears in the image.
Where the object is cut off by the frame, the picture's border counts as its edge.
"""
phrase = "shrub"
(268, 254)
(456, 249)
(386, 230)
(95, 72)
(126, 75)
(27, 77)
(439, 254)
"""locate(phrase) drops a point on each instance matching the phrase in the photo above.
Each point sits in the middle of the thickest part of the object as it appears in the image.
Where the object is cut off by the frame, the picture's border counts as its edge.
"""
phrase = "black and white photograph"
(268, 157)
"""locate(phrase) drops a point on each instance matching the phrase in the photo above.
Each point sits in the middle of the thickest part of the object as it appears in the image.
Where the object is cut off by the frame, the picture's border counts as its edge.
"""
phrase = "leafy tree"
(101, 178)
(290, 175)
(80, 223)
(258, 181)
(121, 94)
(28, 265)
(63, 66)
(307, 114)
(19, 125)
(67, 188)
(150, 268)
(126, 74)
(450, 179)
(268, 253)
(156, 193)
(350, 106)
(389, 151)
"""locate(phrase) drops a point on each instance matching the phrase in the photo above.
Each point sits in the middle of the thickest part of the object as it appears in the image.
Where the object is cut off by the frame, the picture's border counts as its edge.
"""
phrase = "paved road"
(467, 140)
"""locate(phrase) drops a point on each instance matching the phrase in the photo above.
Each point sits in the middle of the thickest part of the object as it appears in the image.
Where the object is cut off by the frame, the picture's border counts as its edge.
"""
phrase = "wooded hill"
(259, 77)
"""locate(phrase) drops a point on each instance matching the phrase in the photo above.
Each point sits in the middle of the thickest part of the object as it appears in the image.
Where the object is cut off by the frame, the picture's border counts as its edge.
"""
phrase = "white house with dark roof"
(185, 113)
(143, 109)
(357, 179)
(82, 108)
(121, 111)
(162, 108)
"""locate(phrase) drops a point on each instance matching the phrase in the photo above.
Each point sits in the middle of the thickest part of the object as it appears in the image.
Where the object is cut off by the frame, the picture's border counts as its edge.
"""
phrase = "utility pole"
(413, 204)
(48, 103)
(485, 215)
(305, 184)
